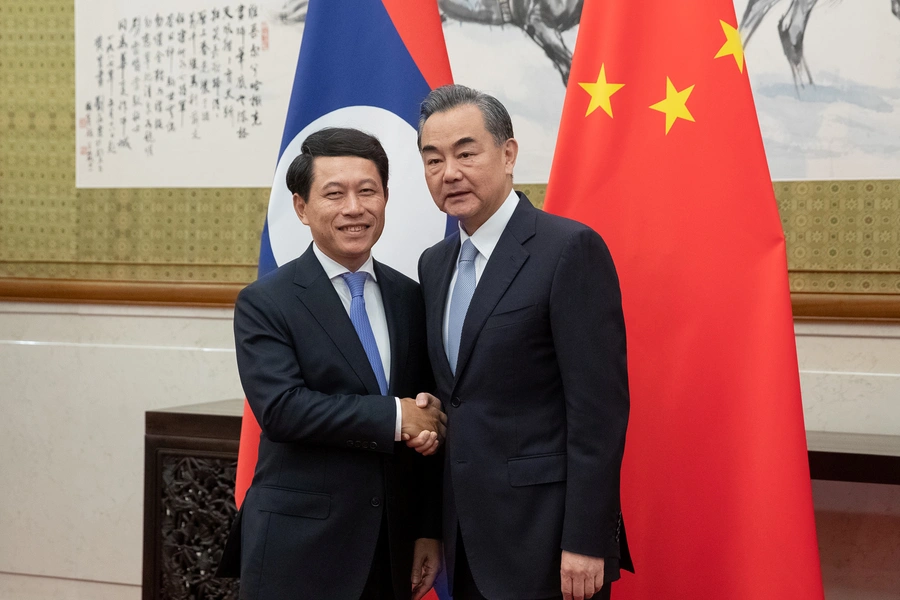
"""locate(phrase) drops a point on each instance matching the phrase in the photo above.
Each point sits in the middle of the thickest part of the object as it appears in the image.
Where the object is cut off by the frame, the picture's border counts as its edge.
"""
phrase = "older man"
(527, 344)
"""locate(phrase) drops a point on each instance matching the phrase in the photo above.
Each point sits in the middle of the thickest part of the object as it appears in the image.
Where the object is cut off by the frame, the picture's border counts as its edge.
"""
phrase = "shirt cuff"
(398, 422)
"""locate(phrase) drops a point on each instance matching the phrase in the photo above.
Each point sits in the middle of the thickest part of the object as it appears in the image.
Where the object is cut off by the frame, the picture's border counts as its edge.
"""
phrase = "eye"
(466, 154)
(432, 161)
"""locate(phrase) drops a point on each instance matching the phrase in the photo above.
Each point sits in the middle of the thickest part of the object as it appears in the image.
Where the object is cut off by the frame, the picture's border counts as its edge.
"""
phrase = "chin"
(460, 211)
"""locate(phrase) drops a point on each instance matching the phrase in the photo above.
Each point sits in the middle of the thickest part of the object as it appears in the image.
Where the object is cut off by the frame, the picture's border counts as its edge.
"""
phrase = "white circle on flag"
(412, 221)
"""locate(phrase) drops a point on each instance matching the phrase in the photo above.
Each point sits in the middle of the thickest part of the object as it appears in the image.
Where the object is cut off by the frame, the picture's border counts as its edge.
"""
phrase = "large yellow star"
(600, 92)
(675, 104)
(732, 45)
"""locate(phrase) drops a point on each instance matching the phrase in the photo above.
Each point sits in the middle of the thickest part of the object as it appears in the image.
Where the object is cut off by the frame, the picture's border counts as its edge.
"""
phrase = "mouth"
(456, 194)
(356, 228)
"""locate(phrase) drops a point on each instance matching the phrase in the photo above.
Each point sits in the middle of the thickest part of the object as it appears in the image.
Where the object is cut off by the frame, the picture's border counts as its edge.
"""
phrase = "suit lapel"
(317, 293)
(436, 300)
(397, 322)
(506, 260)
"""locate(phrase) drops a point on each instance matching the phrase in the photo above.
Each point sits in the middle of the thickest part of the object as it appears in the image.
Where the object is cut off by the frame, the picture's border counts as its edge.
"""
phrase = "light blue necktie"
(460, 299)
(360, 319)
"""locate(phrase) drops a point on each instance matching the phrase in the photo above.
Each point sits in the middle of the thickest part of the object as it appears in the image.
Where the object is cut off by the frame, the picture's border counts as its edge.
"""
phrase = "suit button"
(365, 445)
(373, 445)
(376, 501)
(350, 443)
(454, 402)
(358, 444)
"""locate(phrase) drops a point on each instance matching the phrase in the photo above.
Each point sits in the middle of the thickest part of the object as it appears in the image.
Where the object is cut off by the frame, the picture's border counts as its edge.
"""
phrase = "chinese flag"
(659, 150)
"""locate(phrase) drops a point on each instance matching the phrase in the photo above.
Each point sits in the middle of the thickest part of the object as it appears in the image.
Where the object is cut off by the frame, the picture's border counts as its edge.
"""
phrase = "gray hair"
(447, 97)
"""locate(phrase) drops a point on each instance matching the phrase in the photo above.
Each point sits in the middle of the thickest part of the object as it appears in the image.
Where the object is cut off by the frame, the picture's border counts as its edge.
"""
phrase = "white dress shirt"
(374, 310)
(485, 240)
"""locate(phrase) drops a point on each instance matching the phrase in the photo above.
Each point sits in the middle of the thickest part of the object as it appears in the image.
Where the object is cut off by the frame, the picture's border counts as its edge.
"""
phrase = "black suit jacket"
(538, 408)
(328, 465)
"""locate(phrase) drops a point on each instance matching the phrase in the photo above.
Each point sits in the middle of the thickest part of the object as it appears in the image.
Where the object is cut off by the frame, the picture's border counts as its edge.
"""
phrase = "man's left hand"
(582, 576)
(426, 566)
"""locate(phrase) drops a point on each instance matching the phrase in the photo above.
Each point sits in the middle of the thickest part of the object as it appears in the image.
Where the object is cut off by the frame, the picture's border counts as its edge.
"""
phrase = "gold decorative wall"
(51, 230)
(843, 237)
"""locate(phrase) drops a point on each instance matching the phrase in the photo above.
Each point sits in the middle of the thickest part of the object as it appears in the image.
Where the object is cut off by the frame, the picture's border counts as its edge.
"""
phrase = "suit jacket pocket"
(510, 317)
(296, 503)
(537, 469)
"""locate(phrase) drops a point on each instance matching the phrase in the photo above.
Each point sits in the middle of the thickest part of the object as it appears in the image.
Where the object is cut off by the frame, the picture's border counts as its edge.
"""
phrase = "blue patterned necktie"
(460, 299)
(360, 319)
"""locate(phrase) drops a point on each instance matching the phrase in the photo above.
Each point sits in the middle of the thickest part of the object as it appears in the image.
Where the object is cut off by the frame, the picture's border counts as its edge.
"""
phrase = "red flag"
(659, 150)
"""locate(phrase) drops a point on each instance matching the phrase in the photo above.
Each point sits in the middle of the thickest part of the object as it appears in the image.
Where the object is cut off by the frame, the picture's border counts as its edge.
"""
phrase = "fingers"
(577, 588)
(426, 565)
(598, 583)
(416, 576)
(589, 587)
(426, 443)
(429, 574)
(427, 582)
(418, 590)
(424, 400)
(581, 576)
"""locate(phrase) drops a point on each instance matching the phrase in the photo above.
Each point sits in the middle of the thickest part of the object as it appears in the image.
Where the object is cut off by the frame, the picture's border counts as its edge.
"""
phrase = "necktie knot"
(468, 252)
(356, 282)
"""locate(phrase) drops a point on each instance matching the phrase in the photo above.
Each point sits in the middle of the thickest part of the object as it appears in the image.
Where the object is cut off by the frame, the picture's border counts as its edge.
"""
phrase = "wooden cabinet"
(189, 470)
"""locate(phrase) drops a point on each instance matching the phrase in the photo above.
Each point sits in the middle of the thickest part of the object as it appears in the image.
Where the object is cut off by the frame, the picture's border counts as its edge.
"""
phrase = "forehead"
(447, 127)
(344, 170)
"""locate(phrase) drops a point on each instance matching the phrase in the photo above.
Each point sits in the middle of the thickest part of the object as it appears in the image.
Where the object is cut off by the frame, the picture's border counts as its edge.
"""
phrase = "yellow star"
(732, 45)
(600, 92)
(675, 104)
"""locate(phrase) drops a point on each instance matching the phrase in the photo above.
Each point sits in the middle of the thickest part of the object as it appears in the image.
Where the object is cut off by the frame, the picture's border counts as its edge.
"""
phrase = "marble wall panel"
(76, 382)
(850, 376)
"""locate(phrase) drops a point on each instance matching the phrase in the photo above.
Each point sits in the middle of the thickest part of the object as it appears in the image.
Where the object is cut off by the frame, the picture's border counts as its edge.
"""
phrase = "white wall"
(75, 381)
(850, 376)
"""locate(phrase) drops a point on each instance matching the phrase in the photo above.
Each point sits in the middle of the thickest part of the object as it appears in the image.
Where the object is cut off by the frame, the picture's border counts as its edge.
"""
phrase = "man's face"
(469, 176)
(345, 208)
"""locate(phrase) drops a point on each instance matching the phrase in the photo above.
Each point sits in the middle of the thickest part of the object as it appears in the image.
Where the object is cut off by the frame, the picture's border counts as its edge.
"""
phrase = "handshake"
(423, 424)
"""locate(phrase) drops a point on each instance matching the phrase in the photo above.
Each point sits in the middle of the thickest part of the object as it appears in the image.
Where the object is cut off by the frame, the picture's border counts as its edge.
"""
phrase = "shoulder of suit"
(559, 227)
(396, 277)
(441, 247)
(272, 280)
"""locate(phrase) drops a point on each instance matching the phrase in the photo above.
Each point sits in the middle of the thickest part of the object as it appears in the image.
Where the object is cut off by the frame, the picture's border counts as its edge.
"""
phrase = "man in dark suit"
(527, 344)
(331, 352)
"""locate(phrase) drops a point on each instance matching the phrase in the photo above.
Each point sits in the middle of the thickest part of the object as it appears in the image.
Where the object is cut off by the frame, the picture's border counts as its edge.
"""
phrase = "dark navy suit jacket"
(538, 409)
(328, 467)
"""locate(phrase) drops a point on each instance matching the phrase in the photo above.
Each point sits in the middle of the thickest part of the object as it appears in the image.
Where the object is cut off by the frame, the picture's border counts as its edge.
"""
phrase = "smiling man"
(331, 352)
(527, 344)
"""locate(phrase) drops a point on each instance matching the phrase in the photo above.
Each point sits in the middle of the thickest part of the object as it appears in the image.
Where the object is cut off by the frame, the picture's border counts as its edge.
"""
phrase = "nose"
(451, 171)
(353, 204)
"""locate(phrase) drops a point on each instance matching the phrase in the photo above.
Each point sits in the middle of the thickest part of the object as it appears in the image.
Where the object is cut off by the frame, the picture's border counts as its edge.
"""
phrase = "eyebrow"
(338, 183)
(456, 144)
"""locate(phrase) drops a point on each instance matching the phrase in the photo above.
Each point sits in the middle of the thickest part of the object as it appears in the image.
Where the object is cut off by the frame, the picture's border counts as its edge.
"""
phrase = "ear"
(510, 153)
(300, 209)
(385, 195)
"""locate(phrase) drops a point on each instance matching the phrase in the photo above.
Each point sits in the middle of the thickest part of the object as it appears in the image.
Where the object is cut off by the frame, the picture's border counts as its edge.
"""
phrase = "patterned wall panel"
(50, 229)
(842, 236)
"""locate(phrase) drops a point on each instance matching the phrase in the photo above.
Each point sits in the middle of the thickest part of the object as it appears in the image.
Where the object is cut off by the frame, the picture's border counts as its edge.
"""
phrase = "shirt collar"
(335, 269)
(486, 237)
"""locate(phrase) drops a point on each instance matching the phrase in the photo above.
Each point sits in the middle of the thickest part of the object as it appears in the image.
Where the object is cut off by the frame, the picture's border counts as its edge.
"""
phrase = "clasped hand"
(423, 423)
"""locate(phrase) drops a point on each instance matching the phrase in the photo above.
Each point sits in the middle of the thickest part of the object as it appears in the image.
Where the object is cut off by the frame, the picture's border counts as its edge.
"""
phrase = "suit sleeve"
(285, 407)
(589, 337)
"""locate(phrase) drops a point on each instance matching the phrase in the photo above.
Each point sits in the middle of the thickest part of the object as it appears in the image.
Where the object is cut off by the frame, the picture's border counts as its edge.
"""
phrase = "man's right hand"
(423, 424)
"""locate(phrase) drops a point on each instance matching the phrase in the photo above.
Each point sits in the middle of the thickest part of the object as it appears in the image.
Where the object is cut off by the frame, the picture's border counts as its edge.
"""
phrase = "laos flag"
(366, 64)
